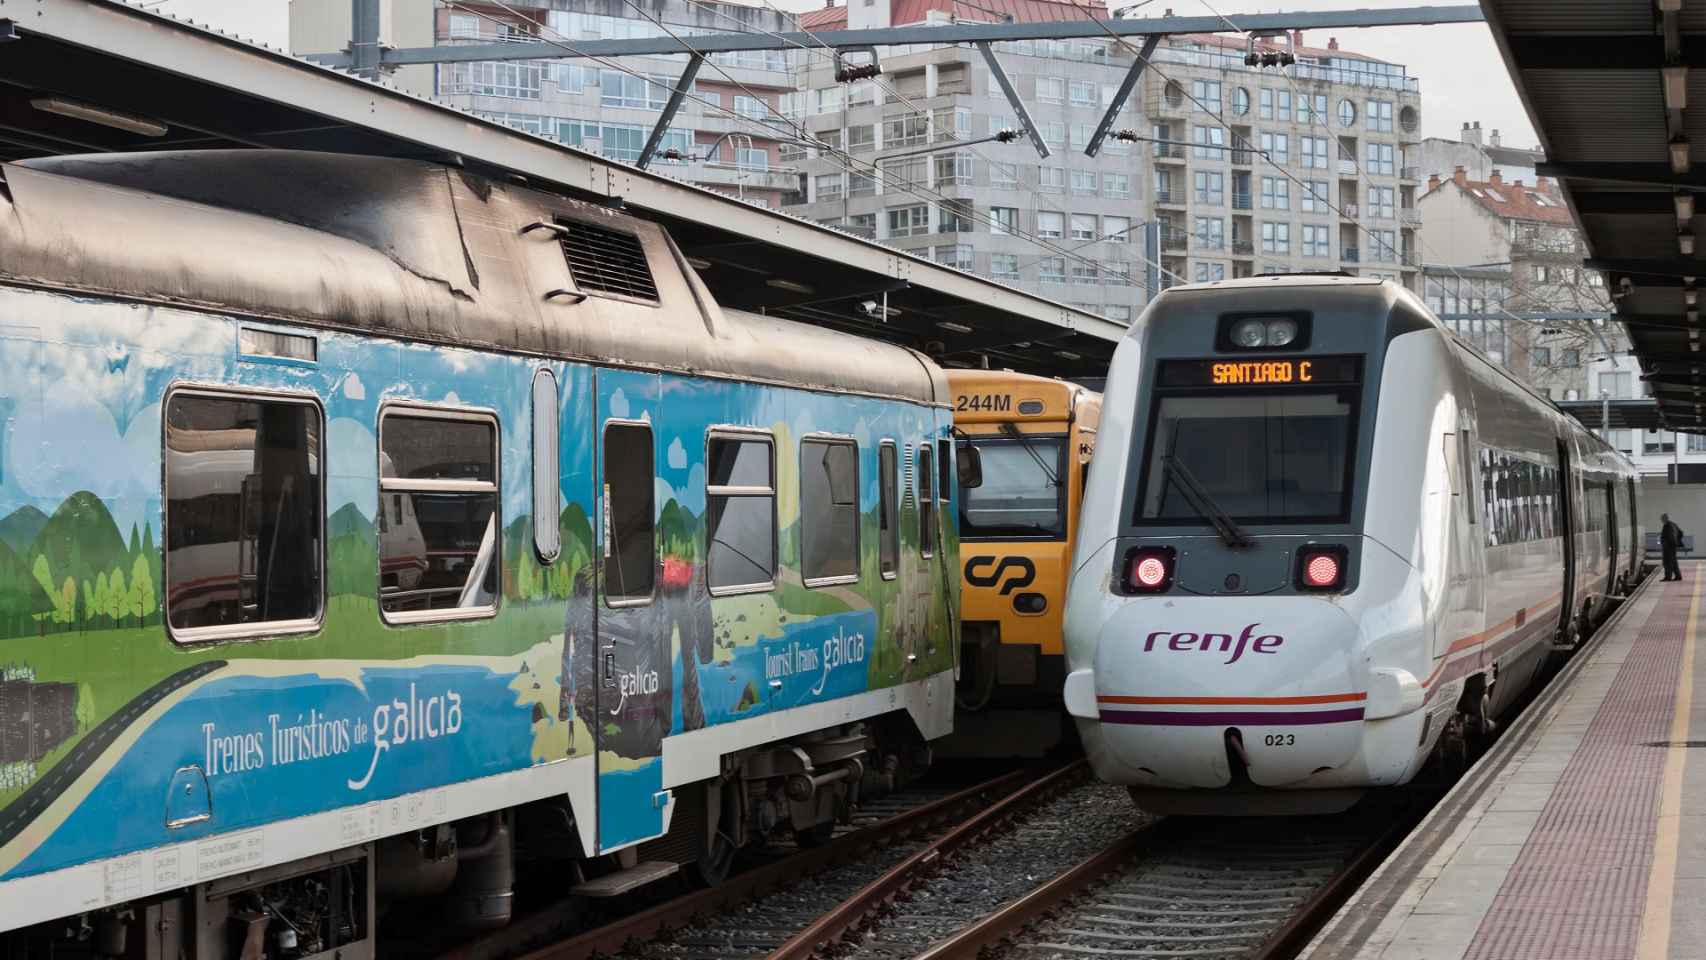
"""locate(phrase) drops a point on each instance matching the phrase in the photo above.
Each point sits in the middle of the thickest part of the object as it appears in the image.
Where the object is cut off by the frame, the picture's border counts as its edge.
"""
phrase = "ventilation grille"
(609, 261)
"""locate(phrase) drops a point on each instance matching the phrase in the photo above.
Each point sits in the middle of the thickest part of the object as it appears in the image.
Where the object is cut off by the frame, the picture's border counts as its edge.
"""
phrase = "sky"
(1462, 77)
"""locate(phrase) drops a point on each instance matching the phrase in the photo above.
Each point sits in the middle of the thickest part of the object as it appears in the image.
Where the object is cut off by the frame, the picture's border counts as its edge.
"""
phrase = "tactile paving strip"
(1577, 889)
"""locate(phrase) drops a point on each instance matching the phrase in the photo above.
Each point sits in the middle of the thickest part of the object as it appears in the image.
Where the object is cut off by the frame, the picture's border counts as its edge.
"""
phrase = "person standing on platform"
(1670, 541)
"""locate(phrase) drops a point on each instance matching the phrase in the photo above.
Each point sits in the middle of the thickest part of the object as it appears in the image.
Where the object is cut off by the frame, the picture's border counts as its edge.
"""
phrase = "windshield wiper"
(1012, 430)
(1203, 502)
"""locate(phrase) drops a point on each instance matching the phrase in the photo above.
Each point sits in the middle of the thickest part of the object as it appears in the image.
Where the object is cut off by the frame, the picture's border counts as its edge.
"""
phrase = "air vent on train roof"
(606, 260)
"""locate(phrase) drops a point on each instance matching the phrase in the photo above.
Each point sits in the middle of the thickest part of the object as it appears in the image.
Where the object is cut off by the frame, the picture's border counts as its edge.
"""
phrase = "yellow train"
(1034, 437)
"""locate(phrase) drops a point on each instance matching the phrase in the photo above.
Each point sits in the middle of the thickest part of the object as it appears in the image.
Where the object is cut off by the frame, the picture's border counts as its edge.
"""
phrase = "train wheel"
(712, 868)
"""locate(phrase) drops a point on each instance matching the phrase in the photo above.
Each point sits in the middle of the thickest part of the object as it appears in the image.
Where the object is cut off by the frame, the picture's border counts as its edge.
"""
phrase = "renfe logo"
(1266, 643)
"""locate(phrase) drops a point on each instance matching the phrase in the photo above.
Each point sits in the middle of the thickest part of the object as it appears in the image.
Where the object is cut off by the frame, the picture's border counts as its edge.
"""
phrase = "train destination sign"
(1257, 372)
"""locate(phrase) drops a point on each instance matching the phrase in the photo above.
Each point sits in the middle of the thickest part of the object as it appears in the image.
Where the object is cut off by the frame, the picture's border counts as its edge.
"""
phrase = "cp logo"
(1027, 572)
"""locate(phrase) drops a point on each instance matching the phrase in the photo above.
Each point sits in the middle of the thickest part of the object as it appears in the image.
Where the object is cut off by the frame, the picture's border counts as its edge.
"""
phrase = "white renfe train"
(1323, 537)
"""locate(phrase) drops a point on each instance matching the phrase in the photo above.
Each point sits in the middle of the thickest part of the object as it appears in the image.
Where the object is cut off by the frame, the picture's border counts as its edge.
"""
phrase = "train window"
(244, 518)
(944, 470)
(926, 502)
(888, 519)
(1022, 494)
(829, 511)
(547, 491)
(1263, 457)
(740, 511)
(440, 560)
(630, 543)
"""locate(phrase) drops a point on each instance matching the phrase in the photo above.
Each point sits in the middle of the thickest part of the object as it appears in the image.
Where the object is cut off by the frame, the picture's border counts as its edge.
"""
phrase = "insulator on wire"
(847, 73)
(670, 153)
(1007, 135)
(1127, 134)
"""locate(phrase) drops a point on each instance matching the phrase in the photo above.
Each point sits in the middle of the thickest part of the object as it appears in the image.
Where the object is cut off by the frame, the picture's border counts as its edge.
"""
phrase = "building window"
(1051, 179)
(953, 169)
(1207, 272)
(909, 221)
(1050, 224)
(1051, 90)
(1379, 116)
(1381, 202)
(752, 158)
(910, 130)
(1054, 134)
(906, 172)
(1385, 244)
(1312, 109)
(954, 217)
(740, 513)
(1276, 193)
(1572, 358)
(829, 511)
(511, 79)
(439, 551)
(1347, 112)
(1206, 93)
(1003, 175)
(1003, 220)
(1380, 160)
(888, 513)
(1083, 94)
(1542, 356)
(1314, 196)
(1276, 147)
(960, 256)
(861, 185)
(1084, 183)
(1116, 186)
(646, 92)
(861, 138)
(1240, 101)
(244, 544)
(1207, 143)
(1116, 273)
(828, 186)
(1210, 187)
(752, 108)
(1117, 311)
(1051, 270)
(1085, 272)
(1004, 266)
(1317, 241)
(863, 224)
(1083, 226)
(1116, 229)
(1313, 152)
(1211, 233)
(1276, 237)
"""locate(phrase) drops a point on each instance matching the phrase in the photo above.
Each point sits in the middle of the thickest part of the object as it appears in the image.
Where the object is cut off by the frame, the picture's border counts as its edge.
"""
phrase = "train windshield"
(1261, 457)
(1022, 490)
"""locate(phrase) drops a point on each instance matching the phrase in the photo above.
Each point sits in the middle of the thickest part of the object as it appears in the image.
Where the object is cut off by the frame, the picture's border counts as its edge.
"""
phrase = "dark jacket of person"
(1670, 538)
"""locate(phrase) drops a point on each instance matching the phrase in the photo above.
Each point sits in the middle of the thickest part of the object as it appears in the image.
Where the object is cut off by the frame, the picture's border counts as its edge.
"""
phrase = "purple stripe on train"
(1217, 718)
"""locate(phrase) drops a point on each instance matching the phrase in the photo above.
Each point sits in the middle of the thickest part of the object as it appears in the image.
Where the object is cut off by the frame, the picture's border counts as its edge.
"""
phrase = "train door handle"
(610, 668)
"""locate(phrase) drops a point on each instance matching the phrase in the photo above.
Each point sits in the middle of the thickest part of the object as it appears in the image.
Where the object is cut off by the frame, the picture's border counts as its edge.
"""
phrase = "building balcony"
(1169, 153)
(749, 178)
(1175, 241)
(1532, 246)
(1243, 248)
(1347, 167)
(1243, 158)
(1410, 217)
(1411, 260)
(1348, 211)
(1240, 201)
(1167, 198)
(1409, 173)
(1350, 255)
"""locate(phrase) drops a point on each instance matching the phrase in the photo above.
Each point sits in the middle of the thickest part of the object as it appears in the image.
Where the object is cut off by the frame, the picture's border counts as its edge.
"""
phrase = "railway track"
(893, 823)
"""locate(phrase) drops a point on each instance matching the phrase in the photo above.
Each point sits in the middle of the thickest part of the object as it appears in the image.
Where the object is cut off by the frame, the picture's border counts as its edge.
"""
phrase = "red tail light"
(1149, 570)
(1321, 569)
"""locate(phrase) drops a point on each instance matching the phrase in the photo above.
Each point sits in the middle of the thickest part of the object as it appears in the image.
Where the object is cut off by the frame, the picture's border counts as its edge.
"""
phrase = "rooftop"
(1510, 200)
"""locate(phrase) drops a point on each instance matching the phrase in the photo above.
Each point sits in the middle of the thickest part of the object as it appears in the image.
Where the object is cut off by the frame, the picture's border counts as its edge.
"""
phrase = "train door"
(1567, 528)
(1611, 538)
(634, 681)
(1634, 568)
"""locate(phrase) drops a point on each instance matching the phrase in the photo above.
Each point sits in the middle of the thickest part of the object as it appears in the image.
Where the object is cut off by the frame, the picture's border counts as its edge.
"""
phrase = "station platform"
(1582, 832)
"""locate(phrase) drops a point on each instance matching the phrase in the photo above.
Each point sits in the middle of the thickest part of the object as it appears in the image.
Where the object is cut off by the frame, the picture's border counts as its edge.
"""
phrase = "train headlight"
(1149, 570)
(1281, 332)
(1321, 569)
(1252, 333)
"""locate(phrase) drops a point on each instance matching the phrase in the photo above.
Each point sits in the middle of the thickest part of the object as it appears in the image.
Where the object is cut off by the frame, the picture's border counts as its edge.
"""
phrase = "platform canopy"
(1638, 414)
(1616, 90)
(79, 76)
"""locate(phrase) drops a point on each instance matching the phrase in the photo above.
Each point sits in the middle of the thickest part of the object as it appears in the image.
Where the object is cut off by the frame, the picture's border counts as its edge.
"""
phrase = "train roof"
(413, 250)
(1061, 399)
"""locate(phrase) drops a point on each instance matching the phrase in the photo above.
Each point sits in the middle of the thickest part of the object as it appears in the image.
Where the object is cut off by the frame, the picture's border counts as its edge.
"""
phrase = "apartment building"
(1315, 155)
(1479, 155)
(726, 137)
(1547, 324)
(1264, 170)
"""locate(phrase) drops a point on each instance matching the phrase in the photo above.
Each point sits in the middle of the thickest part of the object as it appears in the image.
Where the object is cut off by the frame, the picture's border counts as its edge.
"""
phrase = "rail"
(611, 938)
